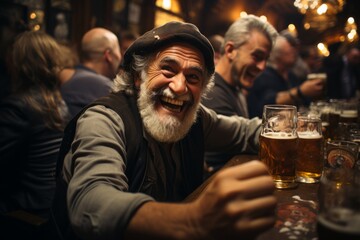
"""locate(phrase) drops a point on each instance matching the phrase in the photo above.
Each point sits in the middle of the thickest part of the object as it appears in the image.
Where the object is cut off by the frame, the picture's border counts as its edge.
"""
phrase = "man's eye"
(192, 78)
(167, 68)
(167, 71)
(258, 57)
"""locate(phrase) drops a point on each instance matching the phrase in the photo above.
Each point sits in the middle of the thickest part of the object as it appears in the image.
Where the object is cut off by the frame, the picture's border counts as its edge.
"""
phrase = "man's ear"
(230, 50)
(107, 55)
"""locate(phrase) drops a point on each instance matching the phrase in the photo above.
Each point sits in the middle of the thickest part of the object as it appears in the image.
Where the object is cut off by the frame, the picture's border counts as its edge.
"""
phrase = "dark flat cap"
(171, 32)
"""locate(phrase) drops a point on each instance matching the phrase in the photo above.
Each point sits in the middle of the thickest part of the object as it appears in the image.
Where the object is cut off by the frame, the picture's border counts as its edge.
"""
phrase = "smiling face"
(170, 92)
(250, 59)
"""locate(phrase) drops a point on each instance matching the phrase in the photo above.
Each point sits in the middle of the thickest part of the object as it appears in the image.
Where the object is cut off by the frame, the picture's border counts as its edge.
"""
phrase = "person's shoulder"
(13, 101)
(88, 79)
(15, 108)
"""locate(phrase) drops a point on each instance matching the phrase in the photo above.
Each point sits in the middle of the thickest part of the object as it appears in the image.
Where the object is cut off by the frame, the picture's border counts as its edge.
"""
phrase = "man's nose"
(178, 84)
(261, 65)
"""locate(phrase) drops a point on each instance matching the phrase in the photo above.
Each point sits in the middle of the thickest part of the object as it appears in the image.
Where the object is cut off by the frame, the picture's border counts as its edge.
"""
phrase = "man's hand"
(312, 88)
(238, 204)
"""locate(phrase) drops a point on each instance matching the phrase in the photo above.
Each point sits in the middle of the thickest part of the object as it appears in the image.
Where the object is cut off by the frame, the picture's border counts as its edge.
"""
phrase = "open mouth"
(172, 104)
(252, 75)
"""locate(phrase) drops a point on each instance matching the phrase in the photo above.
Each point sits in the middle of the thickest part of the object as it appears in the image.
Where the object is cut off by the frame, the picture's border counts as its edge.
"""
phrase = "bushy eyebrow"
(169, 60)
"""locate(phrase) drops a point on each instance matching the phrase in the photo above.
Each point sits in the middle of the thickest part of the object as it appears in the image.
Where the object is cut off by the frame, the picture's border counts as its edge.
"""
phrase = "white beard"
(163, 128)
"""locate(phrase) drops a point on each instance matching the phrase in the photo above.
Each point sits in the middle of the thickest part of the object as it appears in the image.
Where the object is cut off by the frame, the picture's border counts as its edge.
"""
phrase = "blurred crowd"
(45, 84)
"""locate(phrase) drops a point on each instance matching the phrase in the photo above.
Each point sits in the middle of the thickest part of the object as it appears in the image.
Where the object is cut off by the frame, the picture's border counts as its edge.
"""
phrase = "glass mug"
(278, 143)
(339, 204)
(310, 153)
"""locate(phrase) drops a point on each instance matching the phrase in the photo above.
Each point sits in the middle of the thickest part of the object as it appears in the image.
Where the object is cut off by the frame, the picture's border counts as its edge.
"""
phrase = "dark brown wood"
(296, 210)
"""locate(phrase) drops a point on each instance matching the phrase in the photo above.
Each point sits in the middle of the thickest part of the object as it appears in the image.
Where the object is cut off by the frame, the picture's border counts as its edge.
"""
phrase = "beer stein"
(310, 153)
(278, 143)
(339, 204)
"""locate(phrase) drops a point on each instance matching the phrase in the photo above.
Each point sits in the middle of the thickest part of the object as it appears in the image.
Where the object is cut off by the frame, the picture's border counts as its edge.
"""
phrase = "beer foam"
(279, 135)
(325, 124)
(309, 135)
(349, 114)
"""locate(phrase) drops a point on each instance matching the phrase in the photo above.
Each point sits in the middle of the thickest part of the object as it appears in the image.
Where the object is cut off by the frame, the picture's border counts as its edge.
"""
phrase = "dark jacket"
(28, 155)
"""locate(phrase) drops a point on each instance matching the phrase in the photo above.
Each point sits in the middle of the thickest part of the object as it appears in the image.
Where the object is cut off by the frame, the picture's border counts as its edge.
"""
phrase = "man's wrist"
(300, 94)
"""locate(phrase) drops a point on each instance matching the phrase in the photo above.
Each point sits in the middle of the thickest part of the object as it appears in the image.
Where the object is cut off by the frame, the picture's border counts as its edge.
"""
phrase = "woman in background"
(31, 126)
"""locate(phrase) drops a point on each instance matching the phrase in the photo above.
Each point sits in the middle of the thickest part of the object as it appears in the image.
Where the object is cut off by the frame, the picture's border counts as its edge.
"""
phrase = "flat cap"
(171, 32)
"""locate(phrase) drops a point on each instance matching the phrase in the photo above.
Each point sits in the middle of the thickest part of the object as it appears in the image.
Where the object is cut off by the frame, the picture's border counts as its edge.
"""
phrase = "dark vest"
(192, 151)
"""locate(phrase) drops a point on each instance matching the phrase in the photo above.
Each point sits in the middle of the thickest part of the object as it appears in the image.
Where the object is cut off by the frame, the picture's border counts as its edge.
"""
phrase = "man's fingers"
(254, 208)
(246, 170)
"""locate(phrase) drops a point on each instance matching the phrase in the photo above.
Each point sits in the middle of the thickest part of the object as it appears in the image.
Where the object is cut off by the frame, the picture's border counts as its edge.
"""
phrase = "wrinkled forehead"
(182, 51)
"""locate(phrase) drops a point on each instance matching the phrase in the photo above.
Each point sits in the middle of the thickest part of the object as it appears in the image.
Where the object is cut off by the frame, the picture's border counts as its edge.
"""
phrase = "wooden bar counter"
(296, 210)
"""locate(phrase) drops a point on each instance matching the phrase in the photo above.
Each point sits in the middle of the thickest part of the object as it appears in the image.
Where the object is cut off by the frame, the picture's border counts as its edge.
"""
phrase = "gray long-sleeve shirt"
(98, 200)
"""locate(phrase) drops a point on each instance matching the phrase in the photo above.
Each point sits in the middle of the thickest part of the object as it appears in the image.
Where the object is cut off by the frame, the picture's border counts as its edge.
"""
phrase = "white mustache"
(166, 92)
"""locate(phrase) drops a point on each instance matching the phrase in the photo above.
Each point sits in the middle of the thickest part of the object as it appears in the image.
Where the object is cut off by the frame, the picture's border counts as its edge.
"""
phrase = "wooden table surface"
(296, 210)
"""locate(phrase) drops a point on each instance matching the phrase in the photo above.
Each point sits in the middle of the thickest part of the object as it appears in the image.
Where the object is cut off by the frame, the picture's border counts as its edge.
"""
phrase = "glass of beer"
(334, 117)
(323, 108)
(348, 112)
(278, 143)
(323, 77)
(339, 203)
(310, 153)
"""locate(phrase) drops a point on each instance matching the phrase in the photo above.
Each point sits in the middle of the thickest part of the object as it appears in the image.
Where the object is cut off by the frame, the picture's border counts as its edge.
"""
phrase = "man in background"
(244, 52)
(278, 84)
(343, 74)
(100, 58)
(216, 42)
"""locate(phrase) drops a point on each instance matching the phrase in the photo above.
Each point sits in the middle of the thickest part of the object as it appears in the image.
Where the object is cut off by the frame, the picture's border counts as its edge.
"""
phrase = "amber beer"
(310, 157)
(347, 228)
(277, 151)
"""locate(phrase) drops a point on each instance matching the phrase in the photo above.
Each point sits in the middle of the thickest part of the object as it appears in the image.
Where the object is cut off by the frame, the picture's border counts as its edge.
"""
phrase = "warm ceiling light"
(305, 5)
(322, 14)
(166, 4)
(323, 49)
(351, 20)
(307, 26)
(291, 27)
(36, 27)
(32, 15)
(322, 9)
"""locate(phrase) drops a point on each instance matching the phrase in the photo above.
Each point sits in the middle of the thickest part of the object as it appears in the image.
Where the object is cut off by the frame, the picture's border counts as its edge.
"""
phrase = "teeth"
(172, 101)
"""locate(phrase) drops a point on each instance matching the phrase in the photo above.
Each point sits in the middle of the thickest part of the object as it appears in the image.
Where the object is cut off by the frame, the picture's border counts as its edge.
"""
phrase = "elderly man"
(100, 58)
(244, 52)
(132, 157)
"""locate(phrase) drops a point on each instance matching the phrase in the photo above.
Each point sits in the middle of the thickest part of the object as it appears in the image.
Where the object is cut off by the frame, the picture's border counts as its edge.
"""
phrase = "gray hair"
(125, 80)
(239, 31)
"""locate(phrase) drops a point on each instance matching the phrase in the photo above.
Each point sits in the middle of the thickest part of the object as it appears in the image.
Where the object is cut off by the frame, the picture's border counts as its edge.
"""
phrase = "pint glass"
(310, 153)
(278, 143)
(348, 112)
